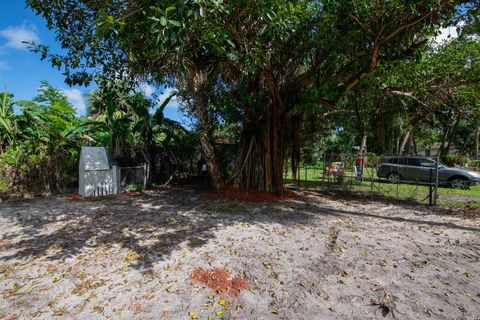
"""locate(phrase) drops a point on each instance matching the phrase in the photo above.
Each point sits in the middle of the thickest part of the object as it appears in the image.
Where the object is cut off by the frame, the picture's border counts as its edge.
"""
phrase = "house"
(432, 151)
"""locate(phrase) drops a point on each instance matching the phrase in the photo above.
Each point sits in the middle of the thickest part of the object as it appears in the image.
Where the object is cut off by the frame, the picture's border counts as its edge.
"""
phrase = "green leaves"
(39, 139)
(162, 16)
(163, 21)
(7, 118)
(175, 23)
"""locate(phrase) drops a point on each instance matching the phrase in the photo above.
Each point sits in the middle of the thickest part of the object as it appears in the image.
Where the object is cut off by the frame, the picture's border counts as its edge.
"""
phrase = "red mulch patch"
(74, 197)
(127, 194)
(220, 280)
(246, 195)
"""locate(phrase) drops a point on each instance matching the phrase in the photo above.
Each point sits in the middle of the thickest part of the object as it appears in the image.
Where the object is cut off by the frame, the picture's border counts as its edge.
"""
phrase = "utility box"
(97, 177)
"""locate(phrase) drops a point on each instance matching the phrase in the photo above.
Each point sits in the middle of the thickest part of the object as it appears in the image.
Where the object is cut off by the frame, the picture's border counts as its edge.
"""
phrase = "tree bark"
(200, 81)
(414, 142)
(260, 161)
(403, 143)
(446, 131)
(212, 163)
(275, 137)
(452, 135)
(363, 145)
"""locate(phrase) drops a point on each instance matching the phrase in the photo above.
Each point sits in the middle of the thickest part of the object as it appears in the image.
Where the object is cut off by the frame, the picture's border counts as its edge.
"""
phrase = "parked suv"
(423, 170)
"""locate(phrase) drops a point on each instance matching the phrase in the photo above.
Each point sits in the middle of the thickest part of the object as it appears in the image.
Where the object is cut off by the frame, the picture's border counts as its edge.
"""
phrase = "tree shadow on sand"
(149, 226)
(420, 212)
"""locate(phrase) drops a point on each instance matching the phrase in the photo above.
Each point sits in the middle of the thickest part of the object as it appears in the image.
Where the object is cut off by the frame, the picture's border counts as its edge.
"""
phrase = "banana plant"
(8, 126)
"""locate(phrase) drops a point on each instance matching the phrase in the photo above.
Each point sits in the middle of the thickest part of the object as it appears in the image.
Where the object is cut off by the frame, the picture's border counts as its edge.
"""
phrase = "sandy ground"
(308, 257)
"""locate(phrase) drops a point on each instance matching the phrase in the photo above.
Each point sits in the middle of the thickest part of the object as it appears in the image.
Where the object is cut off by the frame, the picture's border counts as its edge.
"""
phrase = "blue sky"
(21, 70)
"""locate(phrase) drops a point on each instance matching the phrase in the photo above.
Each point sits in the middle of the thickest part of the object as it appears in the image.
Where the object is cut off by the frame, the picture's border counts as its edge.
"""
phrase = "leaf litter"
(176, 255)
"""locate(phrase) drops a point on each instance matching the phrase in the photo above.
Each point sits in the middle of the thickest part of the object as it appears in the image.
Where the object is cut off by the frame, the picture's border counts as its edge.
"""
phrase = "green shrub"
(134, 187)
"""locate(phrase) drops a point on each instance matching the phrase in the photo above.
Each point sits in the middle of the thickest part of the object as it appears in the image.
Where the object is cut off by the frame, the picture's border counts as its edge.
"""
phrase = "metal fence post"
(430, 187)
(305, 185)
(436, 180)
(323, 172)
(398, 182)
(371, 181)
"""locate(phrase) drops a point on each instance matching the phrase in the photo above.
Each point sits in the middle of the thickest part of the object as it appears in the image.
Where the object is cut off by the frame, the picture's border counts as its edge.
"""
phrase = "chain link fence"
(133, 178)
(412, 179)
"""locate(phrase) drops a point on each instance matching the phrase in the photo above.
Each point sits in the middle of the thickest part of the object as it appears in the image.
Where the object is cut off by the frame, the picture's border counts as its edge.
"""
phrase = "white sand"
(308, 257)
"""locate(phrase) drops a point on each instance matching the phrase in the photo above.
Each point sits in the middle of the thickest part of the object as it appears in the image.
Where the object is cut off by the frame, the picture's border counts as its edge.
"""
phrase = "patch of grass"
(134, 187)
(462, 204)
(473, 192)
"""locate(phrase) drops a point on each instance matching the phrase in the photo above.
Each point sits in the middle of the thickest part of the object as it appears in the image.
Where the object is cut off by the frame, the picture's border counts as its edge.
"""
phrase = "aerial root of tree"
(249, 168)
(255, 165)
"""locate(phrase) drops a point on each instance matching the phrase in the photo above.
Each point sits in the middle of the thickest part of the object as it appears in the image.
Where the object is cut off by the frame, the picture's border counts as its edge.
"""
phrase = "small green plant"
(475, 164)
(134, 187)
(372, 158)
(3, 185)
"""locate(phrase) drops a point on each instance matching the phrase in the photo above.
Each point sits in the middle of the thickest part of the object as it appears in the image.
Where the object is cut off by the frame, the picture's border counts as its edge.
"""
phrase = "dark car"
(423, 170)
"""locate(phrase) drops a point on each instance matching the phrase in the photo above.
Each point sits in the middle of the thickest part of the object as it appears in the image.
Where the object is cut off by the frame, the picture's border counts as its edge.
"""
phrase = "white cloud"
(15, 36)
(165, 94)
(446, 34)
(76, 98)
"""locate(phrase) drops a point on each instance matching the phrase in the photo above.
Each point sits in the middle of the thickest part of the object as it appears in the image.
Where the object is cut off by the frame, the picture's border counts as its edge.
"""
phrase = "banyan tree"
(275, 59)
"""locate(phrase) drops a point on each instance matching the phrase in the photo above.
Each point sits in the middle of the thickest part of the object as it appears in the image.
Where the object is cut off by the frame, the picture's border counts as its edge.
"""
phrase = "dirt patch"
(246, 195)
(220, 280)
(469, 211)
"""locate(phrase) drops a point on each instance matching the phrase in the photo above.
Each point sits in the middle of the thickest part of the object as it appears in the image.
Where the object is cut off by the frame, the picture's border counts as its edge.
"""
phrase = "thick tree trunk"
(363, 145)
(403, 143)
(274, 179)
(446, 131)
(260, 160)
(209, 152)
(294, 149)
(452, 136)
(249, 168)
(206, 139)
(444, 141)
(414, 143)
(200, 81)
(276, 149)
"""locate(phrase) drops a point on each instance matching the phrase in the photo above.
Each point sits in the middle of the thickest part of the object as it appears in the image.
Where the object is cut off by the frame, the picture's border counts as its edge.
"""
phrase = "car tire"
(459, 183)
(393, 178)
